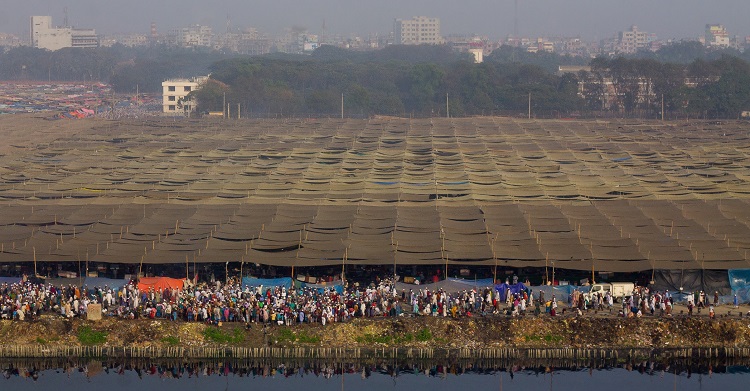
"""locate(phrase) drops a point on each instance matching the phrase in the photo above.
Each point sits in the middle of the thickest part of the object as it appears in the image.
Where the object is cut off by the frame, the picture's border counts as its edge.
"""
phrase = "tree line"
(419, 81)
(691, 80)
(639, 86)
(124, 67)
(642, 87)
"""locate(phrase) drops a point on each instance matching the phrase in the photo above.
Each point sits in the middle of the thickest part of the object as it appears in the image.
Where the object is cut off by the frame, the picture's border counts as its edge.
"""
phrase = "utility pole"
(553, 274)
(224, 106)
(529, 105)
(662, 107)
(515, 22)
(515, 32)
(447, 107)
(238, 111)
(342, 105)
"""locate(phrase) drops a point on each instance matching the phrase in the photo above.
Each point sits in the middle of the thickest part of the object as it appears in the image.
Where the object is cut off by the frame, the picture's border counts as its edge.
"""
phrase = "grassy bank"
(422, 332)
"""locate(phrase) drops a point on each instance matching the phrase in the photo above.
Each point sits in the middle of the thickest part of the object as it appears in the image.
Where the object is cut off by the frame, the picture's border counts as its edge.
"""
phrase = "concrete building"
(716, 36)
(10, 40)
(475, 45)
(175, 92)
(129, 40)
(44, 36)
(478, 54)
(633, 40)
(247, 41)
(541, 45)
(191, 36)
(573, 69)
(418, 30)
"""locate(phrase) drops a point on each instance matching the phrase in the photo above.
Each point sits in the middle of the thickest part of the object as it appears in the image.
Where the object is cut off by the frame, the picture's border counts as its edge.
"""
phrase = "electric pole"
(662, 107)
(529, 105)
(447, 107)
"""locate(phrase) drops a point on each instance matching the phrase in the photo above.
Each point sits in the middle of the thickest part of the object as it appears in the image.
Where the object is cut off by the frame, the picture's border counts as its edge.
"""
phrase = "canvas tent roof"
(615, 196)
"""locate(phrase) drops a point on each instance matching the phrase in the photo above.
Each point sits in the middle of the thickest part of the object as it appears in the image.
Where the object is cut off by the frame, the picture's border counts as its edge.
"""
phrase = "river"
(82, 375)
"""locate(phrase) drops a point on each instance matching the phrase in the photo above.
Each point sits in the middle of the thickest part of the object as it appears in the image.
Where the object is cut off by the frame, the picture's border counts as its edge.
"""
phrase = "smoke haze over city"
(590, 19)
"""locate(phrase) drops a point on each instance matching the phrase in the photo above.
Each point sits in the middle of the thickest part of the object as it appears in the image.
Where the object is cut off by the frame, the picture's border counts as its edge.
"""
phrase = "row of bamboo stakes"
(41, 351)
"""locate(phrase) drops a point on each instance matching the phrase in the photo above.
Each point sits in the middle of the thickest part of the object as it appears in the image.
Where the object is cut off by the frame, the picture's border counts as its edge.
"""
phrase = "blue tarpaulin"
(10, 280)
(338, 286)
(739, 280)
(450, 285)
(514, 289)
(253, 282)
(481, 283)
(92, 282)
(561, 292)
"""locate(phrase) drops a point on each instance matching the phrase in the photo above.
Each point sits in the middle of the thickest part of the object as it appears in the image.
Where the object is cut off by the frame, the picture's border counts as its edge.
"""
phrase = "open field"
(613, 196)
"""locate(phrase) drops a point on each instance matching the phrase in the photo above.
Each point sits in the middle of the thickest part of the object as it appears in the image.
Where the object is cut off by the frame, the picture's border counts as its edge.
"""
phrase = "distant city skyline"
(589, 19)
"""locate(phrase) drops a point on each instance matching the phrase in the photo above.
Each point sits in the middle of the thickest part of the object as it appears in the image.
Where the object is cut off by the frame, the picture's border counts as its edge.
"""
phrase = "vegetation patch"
(217, 335)
(171, 340)
(287, 335)
(87, 336)
(424, 335)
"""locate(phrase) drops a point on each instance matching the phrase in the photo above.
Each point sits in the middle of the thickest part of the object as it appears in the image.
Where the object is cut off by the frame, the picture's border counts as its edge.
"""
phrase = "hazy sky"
(590, 19)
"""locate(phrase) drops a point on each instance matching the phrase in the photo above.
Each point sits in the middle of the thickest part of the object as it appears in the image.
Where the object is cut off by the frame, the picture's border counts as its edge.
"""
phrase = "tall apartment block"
(717, 36)
(417, 31)
(633, 40)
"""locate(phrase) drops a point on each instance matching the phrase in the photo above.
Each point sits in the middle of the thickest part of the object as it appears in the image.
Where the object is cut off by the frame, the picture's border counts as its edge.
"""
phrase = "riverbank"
(52, 336)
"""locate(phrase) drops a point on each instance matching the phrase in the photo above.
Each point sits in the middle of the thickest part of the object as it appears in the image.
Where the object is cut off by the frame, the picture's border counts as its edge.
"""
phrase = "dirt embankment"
(497, 332)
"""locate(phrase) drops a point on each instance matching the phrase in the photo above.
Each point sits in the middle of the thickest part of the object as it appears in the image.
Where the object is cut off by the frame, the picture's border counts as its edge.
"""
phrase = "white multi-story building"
(633, 40)
(716, 36)
(175, 100)
(418, 30)
(192, 36)
(44, 36)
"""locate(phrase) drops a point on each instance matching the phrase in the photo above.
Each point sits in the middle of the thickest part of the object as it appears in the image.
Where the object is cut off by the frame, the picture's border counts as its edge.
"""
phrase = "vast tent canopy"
(615, 195)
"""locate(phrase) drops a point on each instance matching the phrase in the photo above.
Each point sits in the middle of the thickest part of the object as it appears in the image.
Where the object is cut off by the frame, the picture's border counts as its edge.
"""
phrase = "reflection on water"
(656, 374)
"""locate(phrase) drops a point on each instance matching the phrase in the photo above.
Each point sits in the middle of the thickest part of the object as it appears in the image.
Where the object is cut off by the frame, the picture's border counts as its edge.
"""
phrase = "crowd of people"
(215, 302)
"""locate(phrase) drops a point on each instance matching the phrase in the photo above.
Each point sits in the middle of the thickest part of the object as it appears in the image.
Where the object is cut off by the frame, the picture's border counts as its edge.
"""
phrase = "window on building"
(172, 98)
(172, 107)
(171, 88)
(187, 88)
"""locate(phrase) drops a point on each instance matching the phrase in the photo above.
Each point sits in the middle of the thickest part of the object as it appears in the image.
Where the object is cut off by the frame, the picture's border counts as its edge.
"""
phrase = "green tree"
(424, 82)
